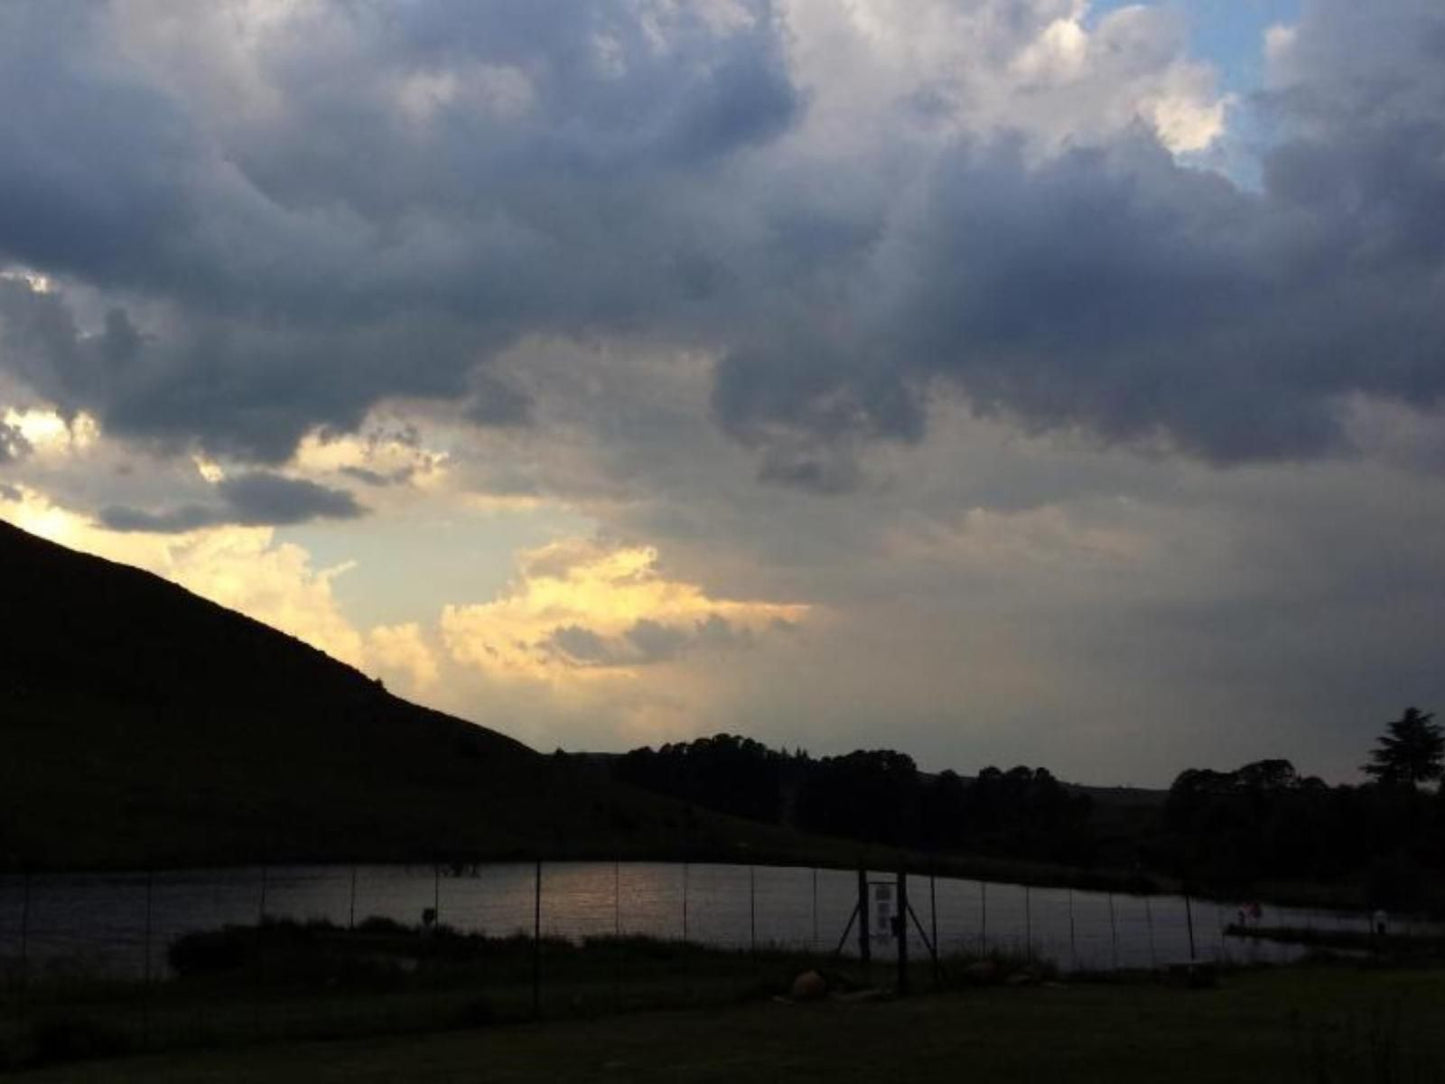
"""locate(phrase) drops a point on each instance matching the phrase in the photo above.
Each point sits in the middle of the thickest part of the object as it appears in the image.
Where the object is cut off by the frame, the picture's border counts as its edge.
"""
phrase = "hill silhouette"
(142, 724)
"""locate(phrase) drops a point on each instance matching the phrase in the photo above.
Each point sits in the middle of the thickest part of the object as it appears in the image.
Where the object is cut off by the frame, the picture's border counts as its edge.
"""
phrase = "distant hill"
(140, 724)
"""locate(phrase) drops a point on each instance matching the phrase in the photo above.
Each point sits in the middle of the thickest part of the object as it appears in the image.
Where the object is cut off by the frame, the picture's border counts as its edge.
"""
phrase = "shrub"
(71, 1037)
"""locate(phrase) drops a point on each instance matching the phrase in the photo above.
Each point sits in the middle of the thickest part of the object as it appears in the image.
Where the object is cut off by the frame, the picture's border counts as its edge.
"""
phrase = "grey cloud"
(188, 517)
(232, 387)
(1110, 288)
(251, 500)
(258, 498)
(305, 276)
(581, 645)
(494, 402)
(377, 478)
(655, 640)
(820, 467)
(13, 445)
(717, 632)
(281, 271)
(94, 175)
(645, 642)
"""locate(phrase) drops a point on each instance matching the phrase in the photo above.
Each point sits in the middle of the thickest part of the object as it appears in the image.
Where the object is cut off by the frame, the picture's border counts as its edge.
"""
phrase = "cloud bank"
(266, 218)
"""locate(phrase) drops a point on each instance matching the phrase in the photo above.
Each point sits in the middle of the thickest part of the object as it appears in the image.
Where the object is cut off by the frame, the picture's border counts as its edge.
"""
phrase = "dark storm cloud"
(95, 171)
(188, 517)
(255, 499)
(1117, 291)
(427, 188)
(259, 497)
(494, 403)
(343, 252)
(231, 385)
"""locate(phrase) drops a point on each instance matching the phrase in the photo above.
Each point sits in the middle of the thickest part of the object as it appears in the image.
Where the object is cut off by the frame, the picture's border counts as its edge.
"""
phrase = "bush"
(382, 924)
(211, 952)
(71, 1037)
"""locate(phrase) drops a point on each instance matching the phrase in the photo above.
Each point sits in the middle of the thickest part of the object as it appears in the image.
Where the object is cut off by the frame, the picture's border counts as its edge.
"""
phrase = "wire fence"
(100, 962)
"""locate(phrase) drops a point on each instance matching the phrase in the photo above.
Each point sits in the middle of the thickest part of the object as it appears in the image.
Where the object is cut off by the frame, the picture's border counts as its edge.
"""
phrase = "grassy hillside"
(142, 725)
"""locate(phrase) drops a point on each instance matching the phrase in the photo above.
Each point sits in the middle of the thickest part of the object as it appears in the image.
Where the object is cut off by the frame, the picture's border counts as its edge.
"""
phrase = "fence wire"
(97, 963)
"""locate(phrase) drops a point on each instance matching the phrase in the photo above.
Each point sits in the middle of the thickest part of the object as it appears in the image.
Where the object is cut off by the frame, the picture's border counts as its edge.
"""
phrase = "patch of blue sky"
(1230, 35)
(1227, 33)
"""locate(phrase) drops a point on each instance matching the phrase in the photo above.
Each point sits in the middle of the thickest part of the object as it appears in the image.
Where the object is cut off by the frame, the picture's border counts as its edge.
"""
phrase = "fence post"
(24, 945)
(434, 944)
(865, 946)
(1149, 920)
(260, 949)
(933, 915)
(146, 969)
(815, 908)
(351, 919)
(902, 931)
(983, 918)
(753, 909)
(1189, 919)
(537, 942)
(1113, 933)
(617, 923)
(1028, 925)
(1073, 941)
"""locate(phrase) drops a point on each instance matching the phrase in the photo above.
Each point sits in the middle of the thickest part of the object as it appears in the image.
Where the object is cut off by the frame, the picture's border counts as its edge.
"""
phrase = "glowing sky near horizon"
(1000, 381)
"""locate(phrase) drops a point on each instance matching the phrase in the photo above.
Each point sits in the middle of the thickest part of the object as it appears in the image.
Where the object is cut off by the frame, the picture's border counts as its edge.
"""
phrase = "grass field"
(1298, 1024)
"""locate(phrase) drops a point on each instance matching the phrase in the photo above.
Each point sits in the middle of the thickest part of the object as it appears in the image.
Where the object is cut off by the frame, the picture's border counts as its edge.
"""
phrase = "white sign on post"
(883, 912)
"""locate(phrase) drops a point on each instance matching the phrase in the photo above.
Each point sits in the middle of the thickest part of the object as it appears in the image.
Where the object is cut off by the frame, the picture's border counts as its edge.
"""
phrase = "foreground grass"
(1308, 1024)
(242, 986)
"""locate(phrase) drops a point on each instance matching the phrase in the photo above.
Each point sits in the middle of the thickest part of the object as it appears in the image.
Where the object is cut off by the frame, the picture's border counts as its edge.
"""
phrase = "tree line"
(1266, 822)
(874, 796)
(1224, 832)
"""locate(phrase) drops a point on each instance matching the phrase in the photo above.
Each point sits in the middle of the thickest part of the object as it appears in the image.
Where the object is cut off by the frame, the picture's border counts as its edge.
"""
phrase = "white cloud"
(403, 650)
(1278, 40)
(580, 608)
(51, 435)
(875, 67)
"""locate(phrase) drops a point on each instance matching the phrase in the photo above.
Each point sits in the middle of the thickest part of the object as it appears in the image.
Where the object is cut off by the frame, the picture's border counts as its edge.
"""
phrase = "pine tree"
(1411, 751)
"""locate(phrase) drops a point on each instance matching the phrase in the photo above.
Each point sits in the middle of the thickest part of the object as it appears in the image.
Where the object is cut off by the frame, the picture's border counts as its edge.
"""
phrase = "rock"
(809, 986)
(981, 972)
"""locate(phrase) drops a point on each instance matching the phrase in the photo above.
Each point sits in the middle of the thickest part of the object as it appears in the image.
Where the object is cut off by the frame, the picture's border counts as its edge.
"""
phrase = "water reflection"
(115, 923)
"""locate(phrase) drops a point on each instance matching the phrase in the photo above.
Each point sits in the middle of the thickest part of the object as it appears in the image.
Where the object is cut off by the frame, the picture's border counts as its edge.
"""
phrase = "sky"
(998, 381)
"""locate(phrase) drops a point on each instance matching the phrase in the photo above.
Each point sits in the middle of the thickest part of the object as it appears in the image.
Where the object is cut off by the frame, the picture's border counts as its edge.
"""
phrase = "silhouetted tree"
(726, 772)
(1411, 751)
(873, 795)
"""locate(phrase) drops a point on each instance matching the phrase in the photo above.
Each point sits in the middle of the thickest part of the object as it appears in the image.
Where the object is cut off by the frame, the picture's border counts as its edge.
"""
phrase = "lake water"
(121, 924)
